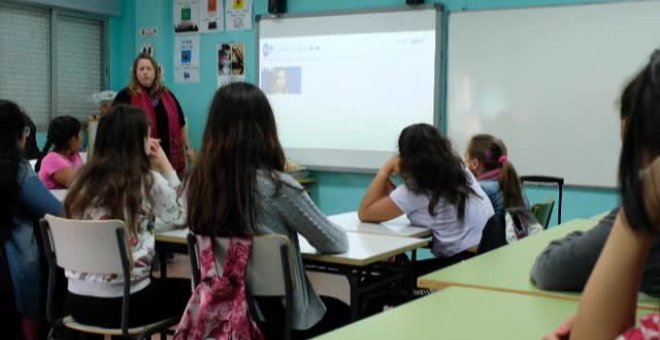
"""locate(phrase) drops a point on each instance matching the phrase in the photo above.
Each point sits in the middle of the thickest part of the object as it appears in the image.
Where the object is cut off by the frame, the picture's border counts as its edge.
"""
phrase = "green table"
(507, 269)
(462, 313)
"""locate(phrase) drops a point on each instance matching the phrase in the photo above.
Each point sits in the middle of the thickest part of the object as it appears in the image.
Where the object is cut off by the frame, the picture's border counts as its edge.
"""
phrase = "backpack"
(520, 223)
(218, 308)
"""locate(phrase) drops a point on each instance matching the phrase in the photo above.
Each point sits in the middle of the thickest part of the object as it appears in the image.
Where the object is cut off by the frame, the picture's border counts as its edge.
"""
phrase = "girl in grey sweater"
(239, 188)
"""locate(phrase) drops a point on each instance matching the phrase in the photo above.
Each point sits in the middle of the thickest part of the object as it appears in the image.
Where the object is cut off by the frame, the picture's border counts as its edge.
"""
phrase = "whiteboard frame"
(440, 55)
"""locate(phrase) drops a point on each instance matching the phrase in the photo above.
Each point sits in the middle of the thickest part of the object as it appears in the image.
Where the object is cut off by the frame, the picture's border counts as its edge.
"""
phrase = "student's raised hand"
(393, 165)
(562, 332)
(651, 188)
(158, 157)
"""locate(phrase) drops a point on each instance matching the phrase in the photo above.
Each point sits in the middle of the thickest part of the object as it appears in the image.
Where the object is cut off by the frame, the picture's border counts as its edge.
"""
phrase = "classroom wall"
(333, 192)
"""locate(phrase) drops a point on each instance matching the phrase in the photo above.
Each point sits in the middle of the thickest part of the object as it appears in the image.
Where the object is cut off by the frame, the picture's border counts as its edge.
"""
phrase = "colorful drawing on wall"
(239, 15)
(231, 63)
(186, 59)
(211, 16)
(186, 16)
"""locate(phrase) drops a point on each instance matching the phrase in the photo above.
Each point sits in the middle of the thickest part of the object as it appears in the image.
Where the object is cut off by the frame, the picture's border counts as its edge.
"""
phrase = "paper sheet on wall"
(211, 16)
(186, 59)
(231, 63)
(238, 14)
(186, 16)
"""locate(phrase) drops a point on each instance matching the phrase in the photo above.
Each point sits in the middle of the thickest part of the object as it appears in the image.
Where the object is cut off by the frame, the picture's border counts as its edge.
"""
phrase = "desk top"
(397, 227)
(507, 268)
(60, 194)
(462, 313)
(363, 249)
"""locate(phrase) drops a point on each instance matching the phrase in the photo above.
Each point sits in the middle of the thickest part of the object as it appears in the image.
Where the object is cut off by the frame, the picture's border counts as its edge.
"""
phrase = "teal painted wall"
(333, 192)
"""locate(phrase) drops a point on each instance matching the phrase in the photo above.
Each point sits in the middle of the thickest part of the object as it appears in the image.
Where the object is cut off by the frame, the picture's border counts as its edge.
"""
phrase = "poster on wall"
(210, 16)
(231, 63)
(238, 14)
(186, 16)
(186, 59)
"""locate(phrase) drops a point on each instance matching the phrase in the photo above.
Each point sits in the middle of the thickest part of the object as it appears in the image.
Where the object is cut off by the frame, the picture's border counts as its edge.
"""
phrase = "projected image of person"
(279, 82)
(282, 80)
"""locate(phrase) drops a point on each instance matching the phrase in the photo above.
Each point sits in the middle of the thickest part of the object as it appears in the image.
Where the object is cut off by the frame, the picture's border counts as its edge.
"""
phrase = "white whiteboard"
(547, 81)
(343, 86)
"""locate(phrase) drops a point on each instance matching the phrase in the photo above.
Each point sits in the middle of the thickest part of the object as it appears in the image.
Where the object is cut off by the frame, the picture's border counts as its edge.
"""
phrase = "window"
(49, 79)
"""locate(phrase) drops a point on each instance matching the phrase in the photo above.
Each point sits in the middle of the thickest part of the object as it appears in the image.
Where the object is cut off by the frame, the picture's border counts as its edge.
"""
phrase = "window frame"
(54, 14)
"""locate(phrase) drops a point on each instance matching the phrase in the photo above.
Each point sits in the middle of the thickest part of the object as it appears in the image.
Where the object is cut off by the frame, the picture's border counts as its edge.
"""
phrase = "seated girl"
(438, 193)
(609, 301)
(239, 188)
(26, 200)
(486, 157)
(58, 167)
(128, 178)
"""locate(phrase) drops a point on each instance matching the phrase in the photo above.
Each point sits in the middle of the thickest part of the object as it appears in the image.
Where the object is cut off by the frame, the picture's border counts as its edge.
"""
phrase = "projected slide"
(349, 91)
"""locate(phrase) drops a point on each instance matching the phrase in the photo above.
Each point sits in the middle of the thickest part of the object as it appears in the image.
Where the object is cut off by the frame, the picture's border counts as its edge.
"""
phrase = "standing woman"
(163, 110)
(26, 200)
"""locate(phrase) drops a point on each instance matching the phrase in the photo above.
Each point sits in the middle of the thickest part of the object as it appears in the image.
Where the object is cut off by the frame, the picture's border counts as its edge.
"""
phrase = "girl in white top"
(438, 193)
(127, 178)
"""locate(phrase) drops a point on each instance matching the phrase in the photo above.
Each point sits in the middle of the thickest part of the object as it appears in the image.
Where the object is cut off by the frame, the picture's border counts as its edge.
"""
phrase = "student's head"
(14, 129)
(626, 104)
(13, 133)
(104, 100)
(641, 139)
(430, 166)
(486, 153)
(116, 175)
(240, 138)
(31, 150)
(63, 136)
(146, 74)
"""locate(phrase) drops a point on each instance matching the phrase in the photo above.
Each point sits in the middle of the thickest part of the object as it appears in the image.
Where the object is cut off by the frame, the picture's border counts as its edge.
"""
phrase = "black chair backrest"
(547, 180)
(493, 235)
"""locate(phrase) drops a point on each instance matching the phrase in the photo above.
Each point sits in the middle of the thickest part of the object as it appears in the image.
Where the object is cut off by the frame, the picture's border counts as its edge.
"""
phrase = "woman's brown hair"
(117, 177)
(240, 139)
(134, 85)
(492, 154)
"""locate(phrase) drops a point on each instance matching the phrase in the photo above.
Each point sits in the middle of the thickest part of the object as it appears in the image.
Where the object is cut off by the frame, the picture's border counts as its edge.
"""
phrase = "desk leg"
(162, 258)
(414, 255)
(354, 282)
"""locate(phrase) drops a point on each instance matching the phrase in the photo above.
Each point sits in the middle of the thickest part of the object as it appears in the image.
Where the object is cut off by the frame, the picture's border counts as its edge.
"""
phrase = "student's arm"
(302, 215)
(376, 205)
(607, 307)
(168, 205)
(36, 198)
(566, 264)
(65, 176)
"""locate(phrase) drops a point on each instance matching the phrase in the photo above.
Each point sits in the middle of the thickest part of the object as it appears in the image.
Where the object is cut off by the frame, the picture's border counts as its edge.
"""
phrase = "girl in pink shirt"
(58, 167)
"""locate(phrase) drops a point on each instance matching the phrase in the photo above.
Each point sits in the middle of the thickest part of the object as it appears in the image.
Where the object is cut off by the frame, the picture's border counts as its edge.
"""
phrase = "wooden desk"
(507, 268)
(397, 227)
(363, 249)
(365, 256)
(462, 313)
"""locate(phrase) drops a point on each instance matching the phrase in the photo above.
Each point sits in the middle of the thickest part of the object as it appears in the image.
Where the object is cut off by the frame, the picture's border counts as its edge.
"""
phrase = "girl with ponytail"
(487, 158)
(58, 167)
